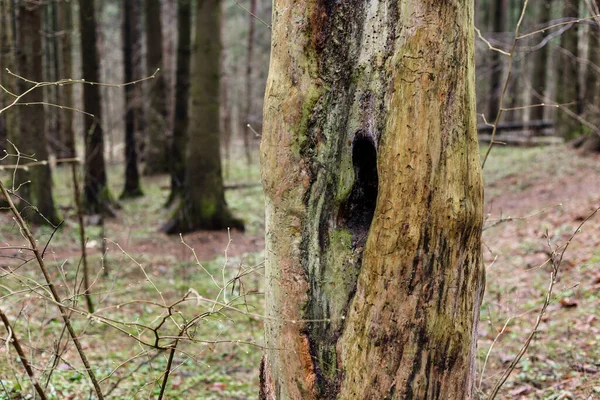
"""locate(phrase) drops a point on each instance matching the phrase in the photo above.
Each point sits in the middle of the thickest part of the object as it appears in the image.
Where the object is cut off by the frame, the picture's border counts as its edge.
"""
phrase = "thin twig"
(557, 258)
(12, 338)
(56, 297)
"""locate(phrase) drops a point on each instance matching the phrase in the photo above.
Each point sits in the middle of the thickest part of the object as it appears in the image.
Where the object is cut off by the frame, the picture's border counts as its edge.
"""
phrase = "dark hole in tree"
(358, 211)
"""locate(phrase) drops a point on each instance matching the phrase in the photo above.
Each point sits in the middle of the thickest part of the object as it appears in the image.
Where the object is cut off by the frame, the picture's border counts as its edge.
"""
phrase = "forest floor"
(535, 199)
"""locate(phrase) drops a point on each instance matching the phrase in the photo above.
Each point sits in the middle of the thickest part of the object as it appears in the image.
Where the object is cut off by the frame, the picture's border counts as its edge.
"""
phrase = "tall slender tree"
(540, 65)
(9, 122)
(65, 25)
(202, 204)
(97, 197)
(157, 112)
(249, 80)
(131, 47)
(36, 181)
(182, 82)
(568, 91)
(498, 25)
(374, 201)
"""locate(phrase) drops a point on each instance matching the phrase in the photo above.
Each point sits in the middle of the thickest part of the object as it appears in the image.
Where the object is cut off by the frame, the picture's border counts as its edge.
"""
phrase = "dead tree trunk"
(370, 166)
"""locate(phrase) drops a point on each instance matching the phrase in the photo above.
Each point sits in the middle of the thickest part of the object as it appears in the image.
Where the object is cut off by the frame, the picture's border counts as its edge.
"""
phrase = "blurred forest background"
(130, 135)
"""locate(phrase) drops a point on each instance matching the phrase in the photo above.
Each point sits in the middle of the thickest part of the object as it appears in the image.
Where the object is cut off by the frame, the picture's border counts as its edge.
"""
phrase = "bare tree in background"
(540, 65)
(202, 204)
(498, 25)
(132, 71)
(568, 91)
(36, 181)
(97, 197)
(157, 112)
(182, 82)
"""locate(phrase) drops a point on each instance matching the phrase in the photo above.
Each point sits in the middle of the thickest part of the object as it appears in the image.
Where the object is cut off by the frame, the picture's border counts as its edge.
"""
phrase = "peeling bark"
(370, 167)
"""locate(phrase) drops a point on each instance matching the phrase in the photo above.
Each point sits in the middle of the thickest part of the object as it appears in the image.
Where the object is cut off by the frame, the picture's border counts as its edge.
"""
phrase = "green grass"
(219, 359)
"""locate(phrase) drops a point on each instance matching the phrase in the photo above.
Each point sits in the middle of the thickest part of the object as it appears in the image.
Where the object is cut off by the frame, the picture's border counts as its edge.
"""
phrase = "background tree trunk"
(36, 181)
(65, 25)
(591, 104)
(498, 26)
(374, 199)
(568, 89)
(203, 205)
(540, 66)
(249, 81)
(8, 120)
(131, 40)
(97, 197)
(157, 113)
(180, 123)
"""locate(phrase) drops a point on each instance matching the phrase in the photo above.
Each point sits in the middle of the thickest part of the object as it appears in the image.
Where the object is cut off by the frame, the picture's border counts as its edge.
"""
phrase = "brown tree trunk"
(65, 25)
(249, 81)
(131, 42)
(180, 122)
(156, 113)
(202, 205)
(97, 198)
(9, 121)
(374, 200)
(36, 181)
(591, 105)
(540, 66)
(568, 89)
(498, 25)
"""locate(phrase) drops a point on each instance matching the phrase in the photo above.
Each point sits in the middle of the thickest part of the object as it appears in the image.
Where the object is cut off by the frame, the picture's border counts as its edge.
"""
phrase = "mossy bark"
(180, 123)
(568, 91)
(202, 204)
(374, 199)
(157, 112)
(97, 198)
(36, 181)
(132, 71)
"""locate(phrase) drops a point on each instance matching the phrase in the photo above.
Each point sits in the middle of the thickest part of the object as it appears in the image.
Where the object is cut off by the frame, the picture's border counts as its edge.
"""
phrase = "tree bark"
(498, 25)
(97, 198)
(131, 42)
(202, 205)
(157, 113)
(568, 91)
(370, 166)
(36, 181)
(180, 121)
